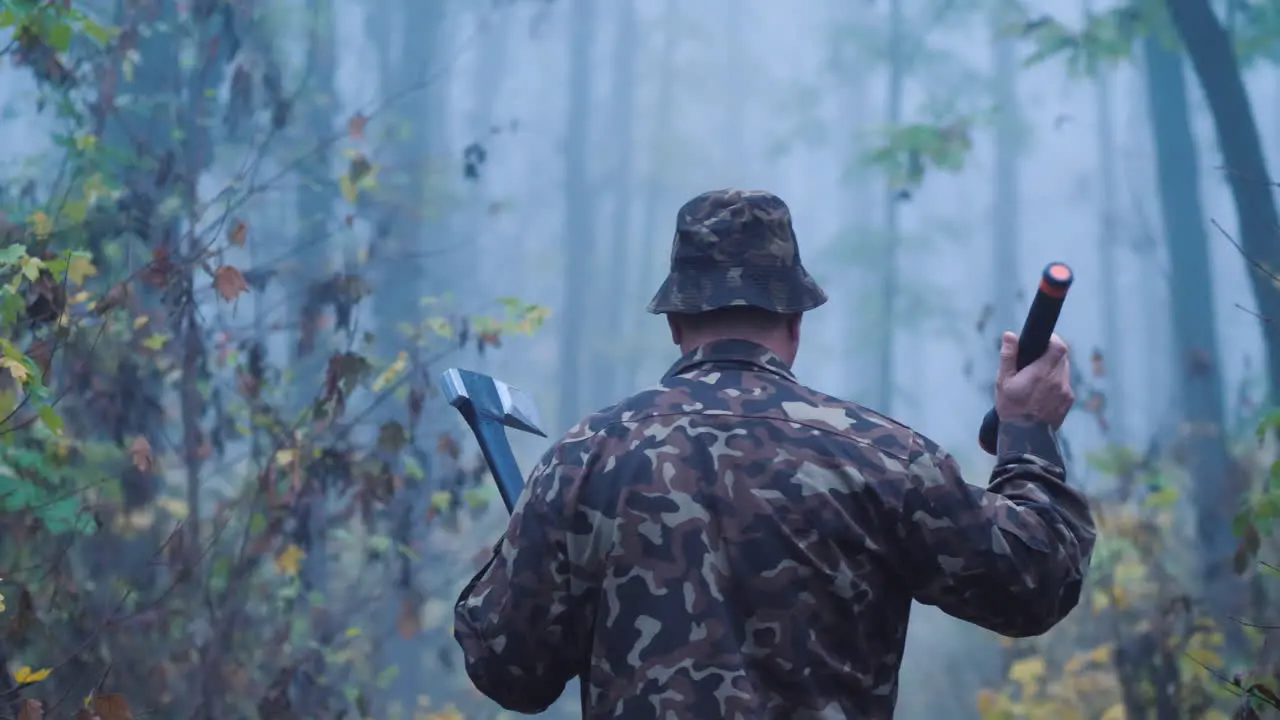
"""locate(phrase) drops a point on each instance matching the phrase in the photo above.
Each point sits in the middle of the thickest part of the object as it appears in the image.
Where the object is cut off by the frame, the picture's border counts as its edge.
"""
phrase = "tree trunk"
(652, 212)
(884, 391)
(1108, 237)
(1192, 307)
(1006, 205)
(621, 265)
(1215, 65)
(579, 213)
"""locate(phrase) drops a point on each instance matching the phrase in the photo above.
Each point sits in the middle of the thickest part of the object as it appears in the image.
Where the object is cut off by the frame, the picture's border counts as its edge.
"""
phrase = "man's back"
(732, 544)
(741, 546)
(744, 550)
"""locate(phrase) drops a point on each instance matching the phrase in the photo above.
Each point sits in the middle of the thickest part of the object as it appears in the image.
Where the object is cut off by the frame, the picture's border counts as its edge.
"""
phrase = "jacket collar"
(732, 352)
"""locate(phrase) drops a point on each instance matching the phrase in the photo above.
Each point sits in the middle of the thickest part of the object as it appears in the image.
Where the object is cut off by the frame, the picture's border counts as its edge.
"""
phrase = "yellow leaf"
(1163, 498)
(175, 507)
(1206, 657)
(80, 297)
(26, 675)
(79, 268)
(155, 341)
(1115, 712)
(1102, 654)
(348, 189)
(440, 326)
(289, 561)
(86, 142)
(31, 267)
(393, 371)
(441, 500)
(140, 321)
(1027, 673)
(40, 224)
(1, 602)
(15, 368)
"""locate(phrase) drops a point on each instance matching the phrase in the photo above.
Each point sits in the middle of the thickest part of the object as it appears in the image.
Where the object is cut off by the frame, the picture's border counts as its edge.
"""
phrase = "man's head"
(736, 274)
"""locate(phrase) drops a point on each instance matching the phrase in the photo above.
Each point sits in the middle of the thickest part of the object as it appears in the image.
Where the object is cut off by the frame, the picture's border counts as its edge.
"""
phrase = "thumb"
(1008, 355)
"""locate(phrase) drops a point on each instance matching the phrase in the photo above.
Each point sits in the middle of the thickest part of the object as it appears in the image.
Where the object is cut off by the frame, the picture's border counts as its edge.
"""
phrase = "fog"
(525, 162)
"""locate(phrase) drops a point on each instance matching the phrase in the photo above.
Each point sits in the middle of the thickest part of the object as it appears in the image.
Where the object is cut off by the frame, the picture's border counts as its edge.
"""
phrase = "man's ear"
(676, 335)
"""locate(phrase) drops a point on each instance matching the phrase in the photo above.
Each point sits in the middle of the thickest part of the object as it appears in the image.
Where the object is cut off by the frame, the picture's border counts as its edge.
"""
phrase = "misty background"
(493, 185)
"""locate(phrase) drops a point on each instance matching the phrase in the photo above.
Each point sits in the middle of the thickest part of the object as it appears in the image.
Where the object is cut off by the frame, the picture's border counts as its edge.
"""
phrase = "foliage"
(1139, 642)
(178, 533)
(908, 150)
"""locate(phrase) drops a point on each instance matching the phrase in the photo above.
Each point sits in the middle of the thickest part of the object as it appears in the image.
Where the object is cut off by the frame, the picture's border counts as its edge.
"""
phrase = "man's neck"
(770, 342)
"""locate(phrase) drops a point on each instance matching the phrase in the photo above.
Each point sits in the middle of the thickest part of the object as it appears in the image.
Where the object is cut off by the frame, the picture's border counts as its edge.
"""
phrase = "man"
(733, 544)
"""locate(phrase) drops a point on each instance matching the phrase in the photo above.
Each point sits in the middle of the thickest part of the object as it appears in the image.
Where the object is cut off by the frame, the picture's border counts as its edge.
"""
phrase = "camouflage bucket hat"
(736, 247)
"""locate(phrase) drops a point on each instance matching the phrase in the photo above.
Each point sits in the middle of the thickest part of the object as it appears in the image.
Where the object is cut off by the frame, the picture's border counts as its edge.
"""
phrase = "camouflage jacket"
(732, 544)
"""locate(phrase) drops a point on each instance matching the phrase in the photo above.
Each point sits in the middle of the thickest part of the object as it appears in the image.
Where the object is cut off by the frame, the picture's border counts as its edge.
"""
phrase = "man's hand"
(1040, 392)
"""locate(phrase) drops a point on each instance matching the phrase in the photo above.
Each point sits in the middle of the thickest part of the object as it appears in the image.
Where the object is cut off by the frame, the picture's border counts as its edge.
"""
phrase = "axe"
(490, 405)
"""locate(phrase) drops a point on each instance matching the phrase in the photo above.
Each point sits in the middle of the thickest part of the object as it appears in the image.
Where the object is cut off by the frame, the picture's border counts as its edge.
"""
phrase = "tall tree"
(652, 212)
(1006, 207)
(1108, 242)
(1216, 65)
(885, 345)
(620, 267)
(1192, 308)
(579, 211)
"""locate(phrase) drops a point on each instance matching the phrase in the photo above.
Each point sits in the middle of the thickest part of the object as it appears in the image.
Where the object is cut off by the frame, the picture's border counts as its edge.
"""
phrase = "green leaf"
(98, 33)
(49, 416)
(59, 36)
(12, 254)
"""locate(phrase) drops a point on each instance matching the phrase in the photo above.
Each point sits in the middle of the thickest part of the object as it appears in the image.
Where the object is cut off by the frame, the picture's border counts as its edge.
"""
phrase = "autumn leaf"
(26, 676)
(80, 268)
(112, 707)
(446, 445)
(408, 620)
(140, 453)
(1097, 365)
(238, 233)
(393, 371)
(31, 710)
(40, 224)
(2, 606)
(15, 368)
(289, 561)
(356, 126)
(229, 282)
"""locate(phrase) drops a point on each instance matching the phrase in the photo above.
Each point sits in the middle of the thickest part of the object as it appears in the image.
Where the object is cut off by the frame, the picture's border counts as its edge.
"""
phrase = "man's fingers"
(1056, 351)
(1008, 355)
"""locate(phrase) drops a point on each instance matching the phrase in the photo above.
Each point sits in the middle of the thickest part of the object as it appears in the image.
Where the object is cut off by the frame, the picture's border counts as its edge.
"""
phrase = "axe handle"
(496, 449)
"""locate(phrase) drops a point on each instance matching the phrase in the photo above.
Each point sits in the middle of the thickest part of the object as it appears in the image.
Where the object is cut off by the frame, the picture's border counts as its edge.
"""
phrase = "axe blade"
(488, 405)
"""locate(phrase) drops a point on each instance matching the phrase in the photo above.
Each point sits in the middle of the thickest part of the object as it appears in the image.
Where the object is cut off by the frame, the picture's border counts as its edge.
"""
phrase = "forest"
(240, 240)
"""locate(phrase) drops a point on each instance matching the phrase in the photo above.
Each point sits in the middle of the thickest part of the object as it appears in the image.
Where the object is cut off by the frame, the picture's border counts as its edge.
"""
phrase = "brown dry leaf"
(112, 707)
(31, 710)
(41, 353)
(229, 282)
(114, 298)
(408, 622)
(446, 445)
(238, 233)
(140, 452)
(356, 126)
